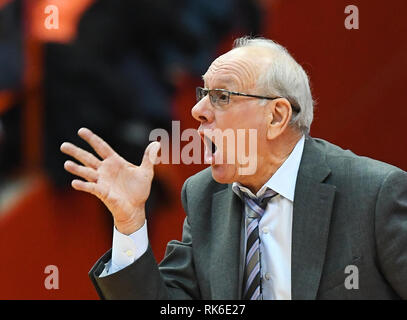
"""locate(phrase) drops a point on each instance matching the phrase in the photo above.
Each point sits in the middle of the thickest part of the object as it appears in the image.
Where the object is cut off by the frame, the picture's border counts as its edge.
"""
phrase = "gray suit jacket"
(348, 210)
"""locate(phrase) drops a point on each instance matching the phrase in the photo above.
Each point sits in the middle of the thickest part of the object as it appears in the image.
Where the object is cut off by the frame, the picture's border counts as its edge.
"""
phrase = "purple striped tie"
(252, 275)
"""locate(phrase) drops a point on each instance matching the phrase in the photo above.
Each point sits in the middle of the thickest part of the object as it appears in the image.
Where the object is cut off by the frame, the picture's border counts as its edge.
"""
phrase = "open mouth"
(210, 149)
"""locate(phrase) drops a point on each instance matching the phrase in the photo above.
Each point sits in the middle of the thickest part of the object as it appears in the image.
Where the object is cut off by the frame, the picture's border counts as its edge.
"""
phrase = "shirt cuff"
(127, 249)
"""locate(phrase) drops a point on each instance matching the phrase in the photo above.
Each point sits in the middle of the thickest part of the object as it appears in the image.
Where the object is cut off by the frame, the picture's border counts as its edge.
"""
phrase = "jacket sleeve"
(174, 278)
(391, 230)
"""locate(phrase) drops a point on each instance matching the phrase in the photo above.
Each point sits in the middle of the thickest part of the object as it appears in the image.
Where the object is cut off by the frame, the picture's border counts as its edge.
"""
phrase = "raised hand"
(123, 187)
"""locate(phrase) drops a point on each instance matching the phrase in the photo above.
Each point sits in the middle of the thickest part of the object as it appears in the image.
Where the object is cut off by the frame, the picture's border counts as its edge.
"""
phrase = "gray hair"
(284, 77)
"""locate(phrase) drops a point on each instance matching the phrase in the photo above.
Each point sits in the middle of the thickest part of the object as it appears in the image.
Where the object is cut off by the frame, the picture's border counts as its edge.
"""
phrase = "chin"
(224, 173)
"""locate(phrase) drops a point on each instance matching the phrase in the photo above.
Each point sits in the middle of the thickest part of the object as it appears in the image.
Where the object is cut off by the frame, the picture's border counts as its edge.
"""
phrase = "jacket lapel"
(226, 246)
(313, 202)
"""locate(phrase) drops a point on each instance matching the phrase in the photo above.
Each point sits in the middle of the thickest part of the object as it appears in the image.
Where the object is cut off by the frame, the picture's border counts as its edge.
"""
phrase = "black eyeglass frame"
(206, 91)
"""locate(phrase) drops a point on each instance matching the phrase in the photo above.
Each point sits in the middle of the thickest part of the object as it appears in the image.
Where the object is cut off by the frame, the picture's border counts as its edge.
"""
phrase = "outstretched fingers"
(81, 155)
(97, 143)
(86, 173)
(150, 155)
(90, 187)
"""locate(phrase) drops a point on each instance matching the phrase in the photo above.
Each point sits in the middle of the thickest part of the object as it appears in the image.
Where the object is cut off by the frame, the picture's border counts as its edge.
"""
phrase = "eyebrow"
(225, 80)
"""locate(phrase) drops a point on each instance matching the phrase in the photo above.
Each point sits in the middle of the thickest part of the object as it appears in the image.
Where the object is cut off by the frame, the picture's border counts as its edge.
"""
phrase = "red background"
(358, 79)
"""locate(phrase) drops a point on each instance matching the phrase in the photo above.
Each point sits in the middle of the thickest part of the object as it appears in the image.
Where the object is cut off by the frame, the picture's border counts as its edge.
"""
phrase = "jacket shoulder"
(202, 183)
(197, 192)
(340, 159)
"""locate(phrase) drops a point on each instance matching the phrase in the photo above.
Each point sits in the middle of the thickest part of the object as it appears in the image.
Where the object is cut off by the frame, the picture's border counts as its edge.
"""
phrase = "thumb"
(150, 155)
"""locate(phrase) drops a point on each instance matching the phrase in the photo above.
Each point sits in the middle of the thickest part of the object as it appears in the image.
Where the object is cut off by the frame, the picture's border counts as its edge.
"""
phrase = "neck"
(270, 160)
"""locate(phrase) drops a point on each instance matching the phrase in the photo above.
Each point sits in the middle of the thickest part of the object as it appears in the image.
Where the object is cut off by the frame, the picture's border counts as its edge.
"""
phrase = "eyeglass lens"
(218, 97)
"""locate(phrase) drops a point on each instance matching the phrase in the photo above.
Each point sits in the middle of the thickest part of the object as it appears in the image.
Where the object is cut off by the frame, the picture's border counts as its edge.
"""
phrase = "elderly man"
(312, 222)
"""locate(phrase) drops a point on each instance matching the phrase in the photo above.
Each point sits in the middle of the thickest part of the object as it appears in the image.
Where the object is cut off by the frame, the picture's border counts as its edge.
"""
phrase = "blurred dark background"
(123, 68)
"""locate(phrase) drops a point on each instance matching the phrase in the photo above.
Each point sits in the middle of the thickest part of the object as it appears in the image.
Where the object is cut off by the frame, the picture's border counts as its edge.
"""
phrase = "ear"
(278, 117)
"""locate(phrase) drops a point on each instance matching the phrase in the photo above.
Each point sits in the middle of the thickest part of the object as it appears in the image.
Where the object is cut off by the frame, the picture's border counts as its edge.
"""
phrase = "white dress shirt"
(275, 229)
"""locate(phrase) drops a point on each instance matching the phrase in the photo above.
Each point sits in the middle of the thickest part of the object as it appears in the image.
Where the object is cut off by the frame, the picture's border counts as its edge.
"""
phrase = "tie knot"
(263, 199)
(258, 204)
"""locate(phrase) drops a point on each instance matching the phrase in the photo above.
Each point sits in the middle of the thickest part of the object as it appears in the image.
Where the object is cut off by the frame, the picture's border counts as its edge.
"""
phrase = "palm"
(122, 186)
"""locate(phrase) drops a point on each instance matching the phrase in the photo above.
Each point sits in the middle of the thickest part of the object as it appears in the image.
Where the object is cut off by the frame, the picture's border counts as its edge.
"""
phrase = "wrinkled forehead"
(235, 70)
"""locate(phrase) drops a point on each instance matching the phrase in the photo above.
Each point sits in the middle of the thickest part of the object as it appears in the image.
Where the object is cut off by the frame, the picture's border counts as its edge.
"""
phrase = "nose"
(202, 111)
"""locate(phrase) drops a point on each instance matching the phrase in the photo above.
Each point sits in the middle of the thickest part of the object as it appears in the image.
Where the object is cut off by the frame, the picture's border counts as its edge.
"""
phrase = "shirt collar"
(284, 179)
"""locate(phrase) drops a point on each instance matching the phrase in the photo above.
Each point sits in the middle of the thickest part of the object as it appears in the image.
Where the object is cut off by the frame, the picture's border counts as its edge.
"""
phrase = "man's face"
(236, 71)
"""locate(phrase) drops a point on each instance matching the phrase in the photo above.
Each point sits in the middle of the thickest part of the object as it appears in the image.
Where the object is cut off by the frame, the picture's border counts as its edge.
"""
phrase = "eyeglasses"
(220, 97)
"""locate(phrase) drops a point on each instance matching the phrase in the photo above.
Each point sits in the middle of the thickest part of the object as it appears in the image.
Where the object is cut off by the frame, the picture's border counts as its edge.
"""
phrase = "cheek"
(226, 120)
(238, 121)
(240, 117)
